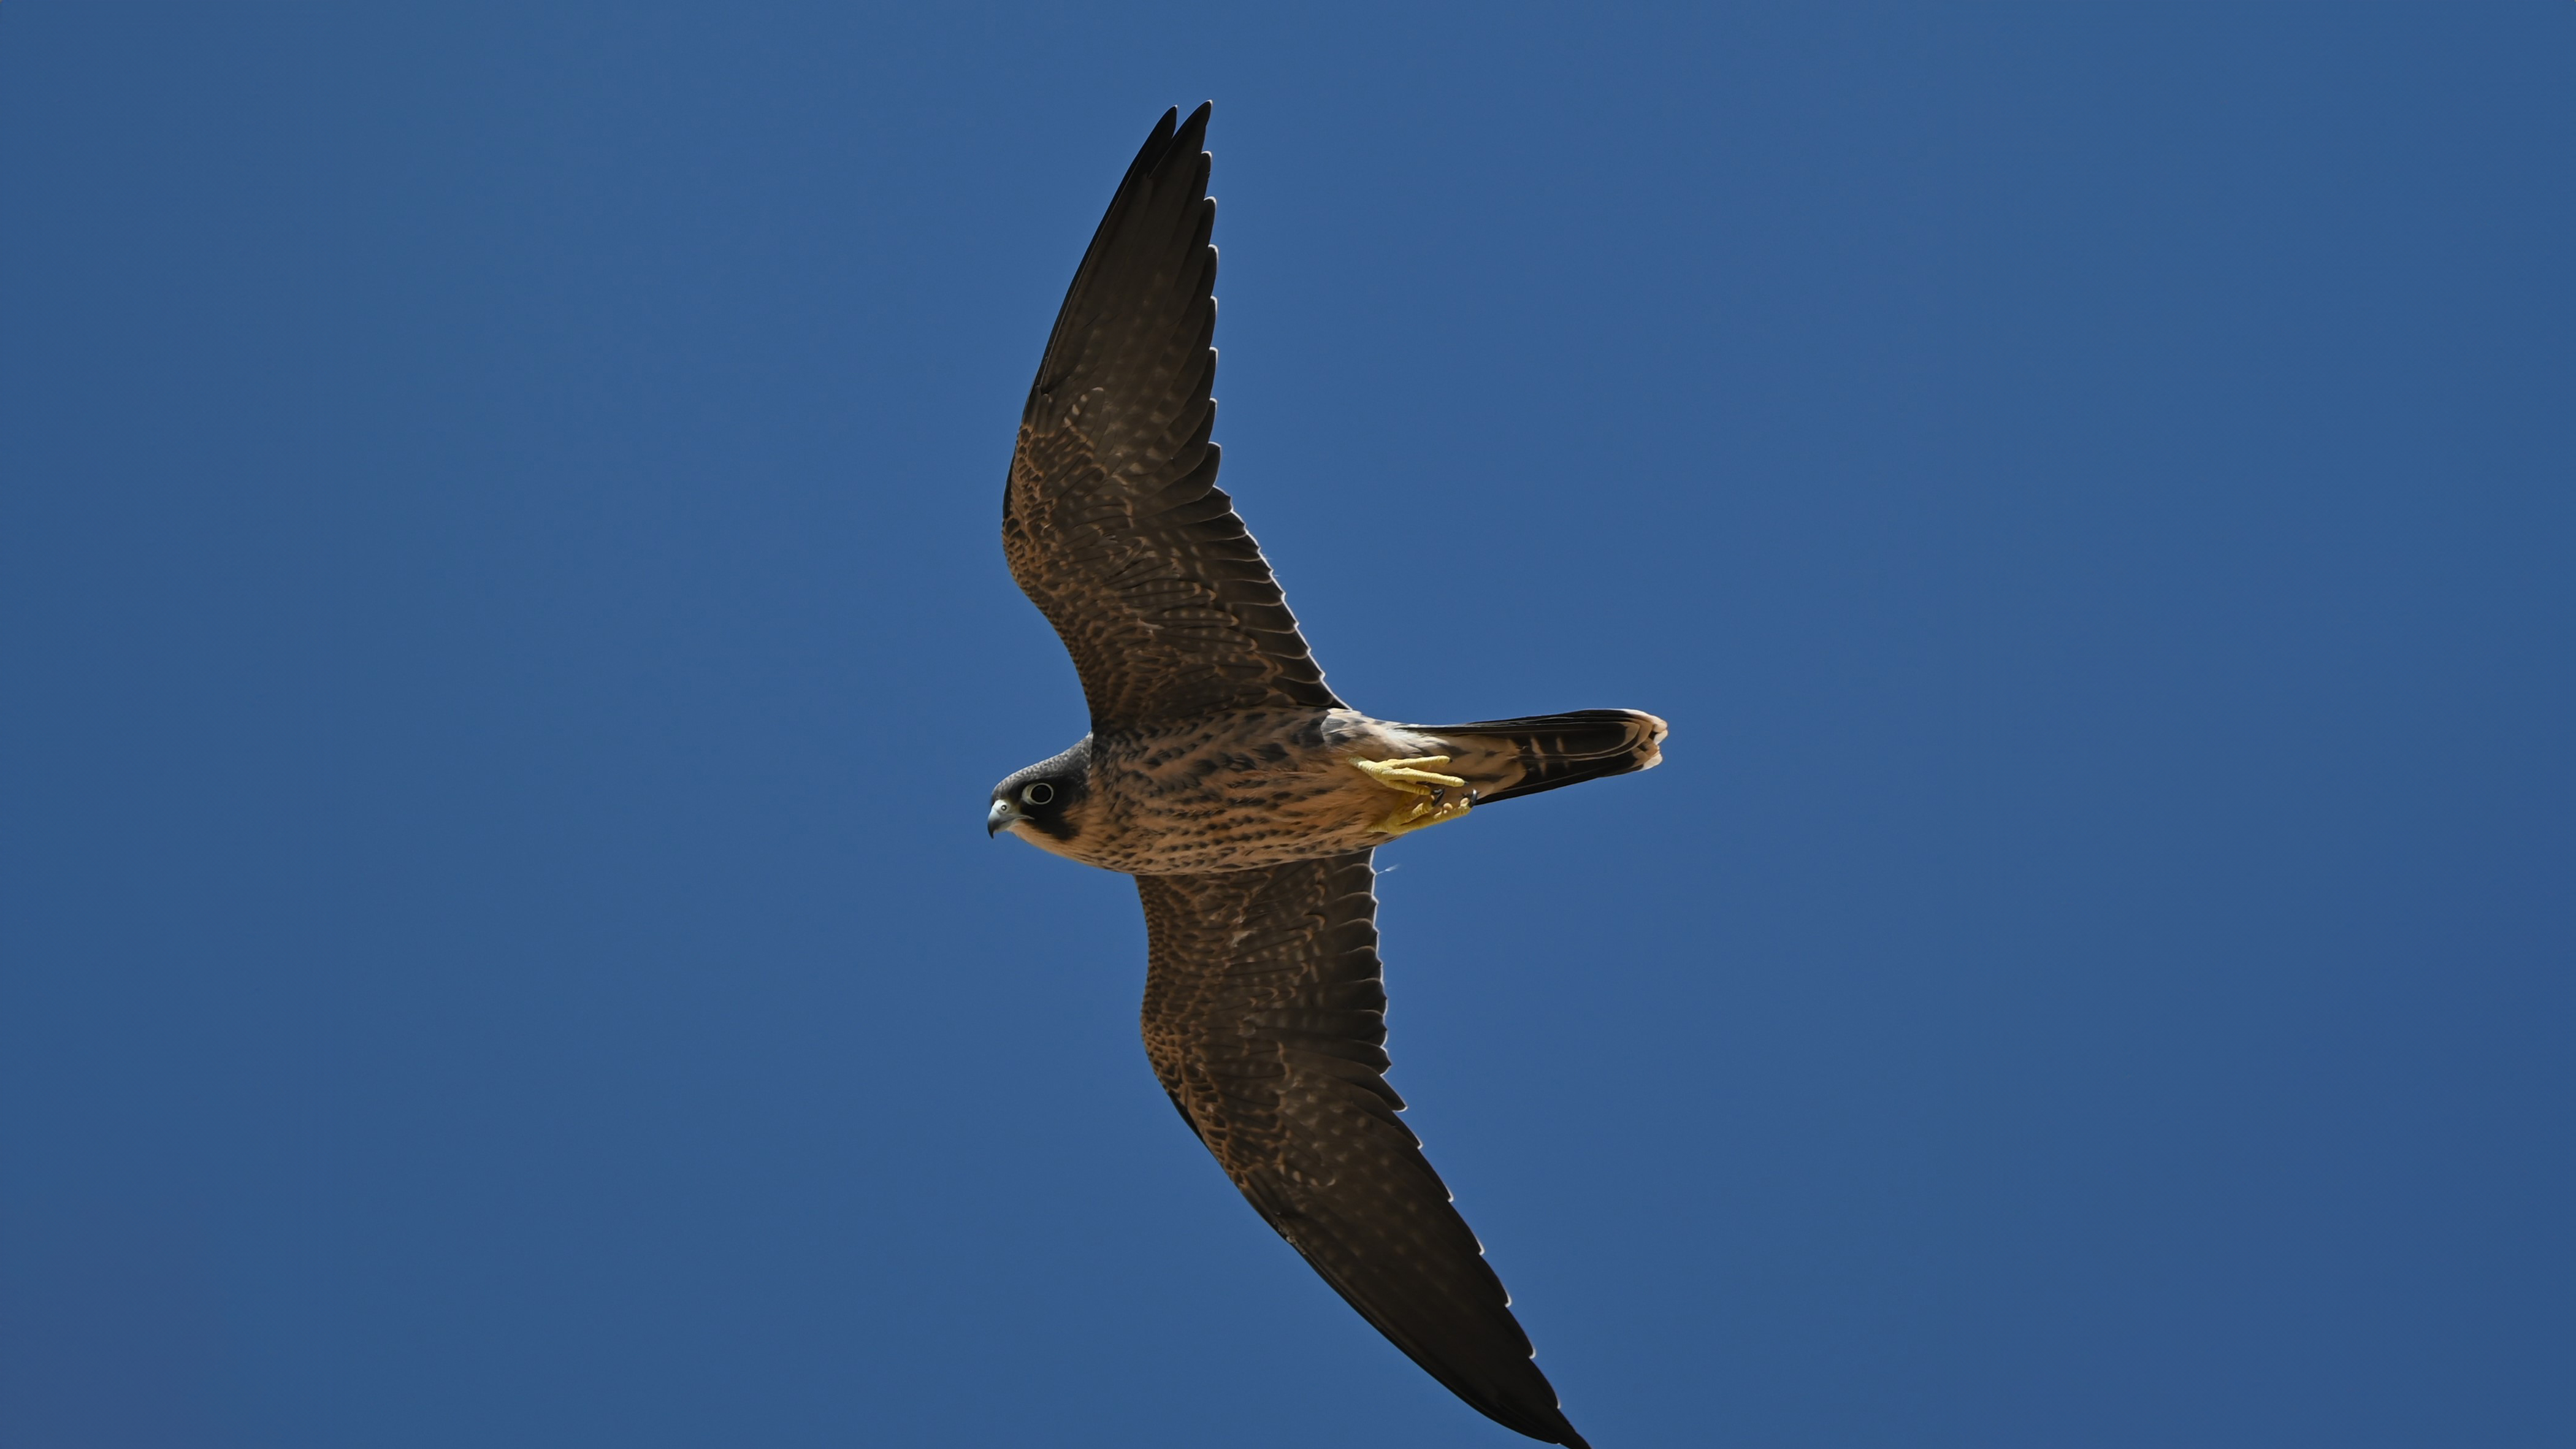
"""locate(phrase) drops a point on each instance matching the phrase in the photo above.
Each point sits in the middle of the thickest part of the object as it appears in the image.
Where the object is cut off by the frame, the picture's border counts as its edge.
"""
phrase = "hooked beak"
(1002, 815)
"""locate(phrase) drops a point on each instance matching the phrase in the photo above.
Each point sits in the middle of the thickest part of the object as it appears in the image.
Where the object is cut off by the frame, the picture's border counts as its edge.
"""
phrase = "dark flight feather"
(1112, 520)
(1265, 1016)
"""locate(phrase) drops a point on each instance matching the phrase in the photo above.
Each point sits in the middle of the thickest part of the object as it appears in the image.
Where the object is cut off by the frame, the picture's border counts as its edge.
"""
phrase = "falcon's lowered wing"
(1266, 1020)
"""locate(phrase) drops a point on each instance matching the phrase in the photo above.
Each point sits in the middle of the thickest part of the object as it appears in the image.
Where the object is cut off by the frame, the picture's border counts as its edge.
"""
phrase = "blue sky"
(507, 645)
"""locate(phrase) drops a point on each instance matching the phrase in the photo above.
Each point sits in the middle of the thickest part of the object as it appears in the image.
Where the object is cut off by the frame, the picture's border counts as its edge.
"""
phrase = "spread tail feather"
(1551, 750)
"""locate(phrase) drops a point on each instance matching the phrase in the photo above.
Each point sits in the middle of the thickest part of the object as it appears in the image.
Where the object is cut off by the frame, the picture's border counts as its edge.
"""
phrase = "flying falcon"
(1245, 797)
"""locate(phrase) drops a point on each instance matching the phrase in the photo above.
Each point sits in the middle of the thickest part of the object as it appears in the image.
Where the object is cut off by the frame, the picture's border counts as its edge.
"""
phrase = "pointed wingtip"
(1172, 137)
(1192, 137)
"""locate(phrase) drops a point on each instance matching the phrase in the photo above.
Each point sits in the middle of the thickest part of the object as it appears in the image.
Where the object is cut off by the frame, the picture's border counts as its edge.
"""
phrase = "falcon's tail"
(1542, 752)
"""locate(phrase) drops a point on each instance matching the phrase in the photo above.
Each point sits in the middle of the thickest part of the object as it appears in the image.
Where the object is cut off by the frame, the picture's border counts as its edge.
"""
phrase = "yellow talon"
(1408, 775)
(1432, 803)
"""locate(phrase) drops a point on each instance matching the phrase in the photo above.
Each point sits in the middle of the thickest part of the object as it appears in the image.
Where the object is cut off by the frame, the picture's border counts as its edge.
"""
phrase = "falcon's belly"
(1258, 788)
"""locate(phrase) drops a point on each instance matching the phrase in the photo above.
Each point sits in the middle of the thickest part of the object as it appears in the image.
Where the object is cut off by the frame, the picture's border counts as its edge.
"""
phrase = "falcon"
(1246, 798)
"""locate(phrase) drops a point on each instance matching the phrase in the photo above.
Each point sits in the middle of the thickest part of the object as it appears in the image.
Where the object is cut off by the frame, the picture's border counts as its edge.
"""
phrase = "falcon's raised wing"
(1112, 520)
(1266, 1020)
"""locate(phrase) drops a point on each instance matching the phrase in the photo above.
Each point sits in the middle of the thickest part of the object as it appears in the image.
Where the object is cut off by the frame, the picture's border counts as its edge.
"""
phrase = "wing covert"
(1111, 519)
(1265, 1017)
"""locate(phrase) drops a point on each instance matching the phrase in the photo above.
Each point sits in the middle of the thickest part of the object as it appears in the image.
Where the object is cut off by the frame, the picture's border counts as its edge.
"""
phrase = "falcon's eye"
(1037, 793)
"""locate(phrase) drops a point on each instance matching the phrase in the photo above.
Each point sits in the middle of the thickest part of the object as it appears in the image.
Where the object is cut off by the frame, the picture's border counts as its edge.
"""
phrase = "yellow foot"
(1433, 798)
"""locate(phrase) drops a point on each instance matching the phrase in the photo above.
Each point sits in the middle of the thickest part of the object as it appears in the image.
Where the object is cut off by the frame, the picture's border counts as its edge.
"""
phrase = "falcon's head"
(1043, 804)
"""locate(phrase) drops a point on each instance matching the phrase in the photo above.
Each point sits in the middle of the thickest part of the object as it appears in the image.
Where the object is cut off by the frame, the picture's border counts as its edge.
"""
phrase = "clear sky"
(506, 646)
